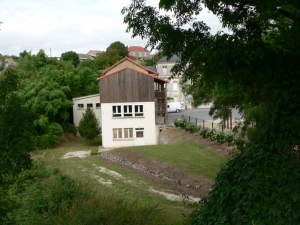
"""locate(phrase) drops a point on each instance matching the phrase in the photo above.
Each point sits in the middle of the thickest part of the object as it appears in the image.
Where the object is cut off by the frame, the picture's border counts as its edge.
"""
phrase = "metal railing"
(210, 124)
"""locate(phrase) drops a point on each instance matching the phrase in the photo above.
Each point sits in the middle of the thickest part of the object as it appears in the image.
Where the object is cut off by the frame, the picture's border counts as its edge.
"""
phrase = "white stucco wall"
(90, 99)
(147, 122)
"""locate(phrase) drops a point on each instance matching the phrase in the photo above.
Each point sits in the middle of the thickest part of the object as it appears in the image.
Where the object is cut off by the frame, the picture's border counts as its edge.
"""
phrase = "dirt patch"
(186, 184)
(79, 154)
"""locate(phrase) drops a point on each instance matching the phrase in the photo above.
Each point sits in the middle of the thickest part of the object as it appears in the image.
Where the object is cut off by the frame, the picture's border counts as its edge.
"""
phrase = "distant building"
(174, 92)
(80, 104)
(83, 57)
(139, 52)
(94, 53)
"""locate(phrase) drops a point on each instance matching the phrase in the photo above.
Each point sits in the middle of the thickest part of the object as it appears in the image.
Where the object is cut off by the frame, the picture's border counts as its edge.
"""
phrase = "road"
(201, 114)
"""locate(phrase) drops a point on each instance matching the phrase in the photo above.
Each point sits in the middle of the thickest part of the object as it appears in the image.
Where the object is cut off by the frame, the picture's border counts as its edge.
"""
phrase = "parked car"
(173, 107)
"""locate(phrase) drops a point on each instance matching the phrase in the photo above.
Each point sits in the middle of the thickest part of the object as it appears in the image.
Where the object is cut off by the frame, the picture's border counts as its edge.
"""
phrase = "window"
(117, 132)
(175, 86)
(139, 110)
(164, 70)
(128, 132)
(89, 105)
(139, 132)
(80, 106)
(127, 110)
(98, 105)
(117, 111)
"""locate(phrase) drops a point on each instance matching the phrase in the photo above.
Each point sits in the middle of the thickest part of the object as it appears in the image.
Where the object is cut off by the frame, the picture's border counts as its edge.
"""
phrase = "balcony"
(159, 94)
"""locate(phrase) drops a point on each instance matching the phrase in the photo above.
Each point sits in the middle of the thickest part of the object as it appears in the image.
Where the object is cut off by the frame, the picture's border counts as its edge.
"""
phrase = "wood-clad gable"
(127, 86)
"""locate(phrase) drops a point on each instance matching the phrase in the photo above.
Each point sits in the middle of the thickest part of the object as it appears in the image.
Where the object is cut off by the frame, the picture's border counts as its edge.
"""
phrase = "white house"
(139, 52)
(133, 105)
(80, 104)
(174, 93)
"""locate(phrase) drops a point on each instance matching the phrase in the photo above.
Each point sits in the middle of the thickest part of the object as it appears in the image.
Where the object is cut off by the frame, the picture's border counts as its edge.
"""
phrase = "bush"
(259, 186)
(94, 152)
(181, 122)
(54, 134)
(229, 138)
(177, 122)
(46, 196)
(204, 132)
(191, 127)
(217, 136)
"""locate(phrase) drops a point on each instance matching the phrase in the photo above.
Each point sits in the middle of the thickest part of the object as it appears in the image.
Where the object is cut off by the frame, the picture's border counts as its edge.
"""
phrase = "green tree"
(24, 54)
(16, 127)
(255, 68)
(120, 47)
(70, 56)
(106, 59)
(88, 127)
(2, 65)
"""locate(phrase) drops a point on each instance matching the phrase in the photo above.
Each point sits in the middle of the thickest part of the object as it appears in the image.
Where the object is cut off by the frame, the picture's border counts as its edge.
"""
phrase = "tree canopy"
(120, 47)
(16, 127)
(70, 56)
(254, 67)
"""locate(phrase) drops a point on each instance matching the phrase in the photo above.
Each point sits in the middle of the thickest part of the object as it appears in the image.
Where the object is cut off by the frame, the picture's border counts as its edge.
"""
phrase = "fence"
(211, 124)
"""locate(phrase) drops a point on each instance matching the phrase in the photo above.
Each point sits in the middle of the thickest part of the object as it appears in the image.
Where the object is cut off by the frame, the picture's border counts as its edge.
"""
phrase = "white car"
(173, 107)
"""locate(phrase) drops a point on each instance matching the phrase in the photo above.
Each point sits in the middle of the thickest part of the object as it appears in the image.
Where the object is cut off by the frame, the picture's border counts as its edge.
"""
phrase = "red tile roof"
(137, 49)
(146, 74)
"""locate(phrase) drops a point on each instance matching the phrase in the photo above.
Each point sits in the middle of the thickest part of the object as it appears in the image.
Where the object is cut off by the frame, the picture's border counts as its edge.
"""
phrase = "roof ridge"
(109, 74)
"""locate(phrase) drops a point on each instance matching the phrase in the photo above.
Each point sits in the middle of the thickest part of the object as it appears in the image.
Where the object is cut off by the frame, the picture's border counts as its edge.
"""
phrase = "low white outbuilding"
(80, 104)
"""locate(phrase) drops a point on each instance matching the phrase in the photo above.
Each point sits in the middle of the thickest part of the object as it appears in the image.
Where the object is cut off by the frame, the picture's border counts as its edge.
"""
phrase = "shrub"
(217, 136)
(229, 138)
(89, 126)
(177, 122)
(54, 134)
(94, 152)
(204, 132)
(240, 143)
(181, 122)
(259, 186)
(46, 196)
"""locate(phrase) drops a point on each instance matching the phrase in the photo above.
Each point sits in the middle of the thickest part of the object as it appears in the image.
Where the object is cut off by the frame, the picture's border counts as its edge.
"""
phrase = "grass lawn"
(188, 156)
(112, 180)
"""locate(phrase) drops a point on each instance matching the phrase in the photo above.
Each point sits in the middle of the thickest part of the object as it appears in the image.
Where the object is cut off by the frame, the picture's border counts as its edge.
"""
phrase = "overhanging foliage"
(256, 68)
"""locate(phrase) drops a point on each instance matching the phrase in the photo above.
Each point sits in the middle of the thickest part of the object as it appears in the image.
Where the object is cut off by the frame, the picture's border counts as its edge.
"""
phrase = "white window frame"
(117, 111)
(175, 85)
(89, 105)
(98, 105)
(138, 110)
(127, 110)
(119, 133)
(139, 130)
(164, 70)
(128, 132)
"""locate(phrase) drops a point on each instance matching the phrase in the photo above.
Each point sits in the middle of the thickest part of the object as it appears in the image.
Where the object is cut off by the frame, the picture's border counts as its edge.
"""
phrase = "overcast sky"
(67, 25)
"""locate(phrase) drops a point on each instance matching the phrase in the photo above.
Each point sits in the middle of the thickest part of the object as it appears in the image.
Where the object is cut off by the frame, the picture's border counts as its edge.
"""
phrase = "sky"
(58, 26)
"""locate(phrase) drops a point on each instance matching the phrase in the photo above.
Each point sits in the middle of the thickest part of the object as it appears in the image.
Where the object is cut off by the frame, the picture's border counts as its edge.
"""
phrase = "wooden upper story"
(130, 85)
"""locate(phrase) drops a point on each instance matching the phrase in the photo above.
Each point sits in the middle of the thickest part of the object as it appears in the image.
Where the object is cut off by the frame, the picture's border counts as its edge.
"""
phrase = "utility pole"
(50, 52)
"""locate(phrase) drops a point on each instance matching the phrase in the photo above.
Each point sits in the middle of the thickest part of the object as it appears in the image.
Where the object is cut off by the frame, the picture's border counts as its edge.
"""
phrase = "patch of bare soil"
(187, 184)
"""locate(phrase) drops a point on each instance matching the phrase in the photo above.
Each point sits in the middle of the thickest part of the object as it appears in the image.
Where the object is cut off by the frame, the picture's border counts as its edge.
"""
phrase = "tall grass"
(46, 196)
